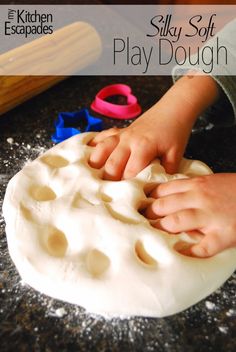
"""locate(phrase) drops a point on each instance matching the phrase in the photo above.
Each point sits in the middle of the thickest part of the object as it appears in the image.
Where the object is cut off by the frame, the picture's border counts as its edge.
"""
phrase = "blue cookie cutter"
(69, 124)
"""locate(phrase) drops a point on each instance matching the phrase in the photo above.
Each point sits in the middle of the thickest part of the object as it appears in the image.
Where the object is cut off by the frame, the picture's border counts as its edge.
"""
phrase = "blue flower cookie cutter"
(69, 124)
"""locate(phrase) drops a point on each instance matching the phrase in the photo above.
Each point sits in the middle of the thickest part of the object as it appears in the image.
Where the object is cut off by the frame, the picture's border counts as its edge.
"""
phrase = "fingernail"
(90, 161)
(93, 162)
(127, 175)
(110, 177)
(198, 251)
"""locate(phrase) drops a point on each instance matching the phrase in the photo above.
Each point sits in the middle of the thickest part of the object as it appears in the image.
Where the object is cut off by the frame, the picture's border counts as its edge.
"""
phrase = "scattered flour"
(83, 324)
(210, 305)
(223, 329)
(58, 313)
(231, 313)
(10, 140)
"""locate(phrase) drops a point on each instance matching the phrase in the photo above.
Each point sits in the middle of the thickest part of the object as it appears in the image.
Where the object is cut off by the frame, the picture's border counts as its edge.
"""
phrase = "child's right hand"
(161, 132)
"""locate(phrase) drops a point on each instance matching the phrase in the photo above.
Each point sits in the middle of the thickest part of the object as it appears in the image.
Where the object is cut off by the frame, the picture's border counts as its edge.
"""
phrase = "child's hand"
(162, 132)
(206, 204)
(125, 152)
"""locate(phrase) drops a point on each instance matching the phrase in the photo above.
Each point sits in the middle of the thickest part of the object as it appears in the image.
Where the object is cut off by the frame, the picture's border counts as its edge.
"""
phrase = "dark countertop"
(30, 321)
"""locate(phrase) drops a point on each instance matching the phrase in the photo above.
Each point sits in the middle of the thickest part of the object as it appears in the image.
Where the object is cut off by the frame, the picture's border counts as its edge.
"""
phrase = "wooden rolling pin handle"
(34, 67)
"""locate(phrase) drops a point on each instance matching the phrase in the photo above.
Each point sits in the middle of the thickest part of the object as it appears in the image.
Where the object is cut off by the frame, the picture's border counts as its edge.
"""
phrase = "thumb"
(210, 245)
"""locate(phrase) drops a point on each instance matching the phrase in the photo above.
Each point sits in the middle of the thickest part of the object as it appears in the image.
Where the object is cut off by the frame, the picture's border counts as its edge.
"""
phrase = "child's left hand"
(206, 204)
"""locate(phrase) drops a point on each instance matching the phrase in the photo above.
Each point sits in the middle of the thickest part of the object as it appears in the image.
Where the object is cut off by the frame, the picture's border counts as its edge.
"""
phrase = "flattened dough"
(81, 239)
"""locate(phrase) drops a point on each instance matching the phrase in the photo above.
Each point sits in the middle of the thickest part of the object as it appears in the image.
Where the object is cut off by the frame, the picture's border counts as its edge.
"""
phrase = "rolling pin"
(34, 67)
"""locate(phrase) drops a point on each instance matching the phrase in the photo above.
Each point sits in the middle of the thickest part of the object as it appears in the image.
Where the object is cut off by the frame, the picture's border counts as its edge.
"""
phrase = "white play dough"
(81, 239)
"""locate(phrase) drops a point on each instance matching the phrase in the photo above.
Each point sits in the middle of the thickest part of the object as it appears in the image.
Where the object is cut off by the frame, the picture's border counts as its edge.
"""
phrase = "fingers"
(102, 151)
(176, 186)
(168, 205)
(171, 162)
(103, 135)
(207, 247)
(119, 158)
(125, 162)
(140, 157)
(116, 163)
(181, 221)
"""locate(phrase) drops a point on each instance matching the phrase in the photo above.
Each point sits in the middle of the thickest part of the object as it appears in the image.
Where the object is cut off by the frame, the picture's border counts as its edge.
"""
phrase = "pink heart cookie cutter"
(131, 110)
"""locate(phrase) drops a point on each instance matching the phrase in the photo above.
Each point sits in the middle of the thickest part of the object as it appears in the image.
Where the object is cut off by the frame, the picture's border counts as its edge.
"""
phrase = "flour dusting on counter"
(25, 318)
